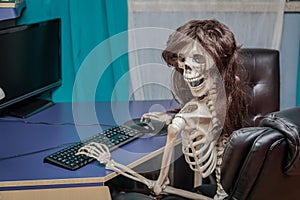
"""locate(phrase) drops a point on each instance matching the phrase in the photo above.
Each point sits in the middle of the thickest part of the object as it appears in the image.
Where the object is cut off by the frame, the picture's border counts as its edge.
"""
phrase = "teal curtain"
(298, 85)
(85, 25)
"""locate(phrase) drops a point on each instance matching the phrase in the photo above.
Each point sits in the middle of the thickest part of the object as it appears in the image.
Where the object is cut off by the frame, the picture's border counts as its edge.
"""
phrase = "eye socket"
(181, 57)
(199, 59)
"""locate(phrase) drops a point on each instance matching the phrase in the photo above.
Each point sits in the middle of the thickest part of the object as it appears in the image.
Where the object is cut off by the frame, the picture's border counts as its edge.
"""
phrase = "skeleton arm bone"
(126, 171)
(173, 129)
(101, 153)
(129, 173)
(186, 194)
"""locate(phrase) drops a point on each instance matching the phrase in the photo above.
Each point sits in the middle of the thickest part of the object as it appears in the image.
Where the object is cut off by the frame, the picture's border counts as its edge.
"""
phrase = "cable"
(44, 123)
(53, 124)
(35, 152)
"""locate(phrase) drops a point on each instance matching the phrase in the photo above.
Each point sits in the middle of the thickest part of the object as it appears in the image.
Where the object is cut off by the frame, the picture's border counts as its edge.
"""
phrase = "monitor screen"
(30, 61)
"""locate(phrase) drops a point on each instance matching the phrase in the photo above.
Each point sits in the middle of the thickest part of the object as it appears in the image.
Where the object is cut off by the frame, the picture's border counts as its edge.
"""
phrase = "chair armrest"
(288, 123)
(244, 157)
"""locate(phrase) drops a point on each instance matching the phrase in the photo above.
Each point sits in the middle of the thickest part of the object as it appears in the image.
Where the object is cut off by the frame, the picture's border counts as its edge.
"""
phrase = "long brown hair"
(219, 42)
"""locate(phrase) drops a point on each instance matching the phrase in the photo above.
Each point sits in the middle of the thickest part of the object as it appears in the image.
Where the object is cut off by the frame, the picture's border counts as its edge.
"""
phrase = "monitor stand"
(28, 108)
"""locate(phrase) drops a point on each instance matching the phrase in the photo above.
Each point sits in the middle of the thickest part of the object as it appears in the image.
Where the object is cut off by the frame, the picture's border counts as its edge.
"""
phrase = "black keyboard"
(113, 138)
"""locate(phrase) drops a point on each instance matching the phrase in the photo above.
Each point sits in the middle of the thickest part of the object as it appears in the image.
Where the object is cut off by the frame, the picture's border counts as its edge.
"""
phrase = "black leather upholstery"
(287, 122)
(263, 162)
(263, 68)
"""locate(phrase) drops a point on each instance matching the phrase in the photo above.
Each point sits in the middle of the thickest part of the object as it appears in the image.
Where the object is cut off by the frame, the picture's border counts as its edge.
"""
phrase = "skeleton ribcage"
(199, 154)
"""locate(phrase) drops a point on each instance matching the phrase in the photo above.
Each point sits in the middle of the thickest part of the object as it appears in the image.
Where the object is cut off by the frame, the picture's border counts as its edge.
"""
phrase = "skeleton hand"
(96, 150)
(160, 116)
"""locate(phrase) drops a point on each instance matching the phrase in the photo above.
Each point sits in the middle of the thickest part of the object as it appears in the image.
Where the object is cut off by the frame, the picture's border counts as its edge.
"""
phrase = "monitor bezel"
(5, 105)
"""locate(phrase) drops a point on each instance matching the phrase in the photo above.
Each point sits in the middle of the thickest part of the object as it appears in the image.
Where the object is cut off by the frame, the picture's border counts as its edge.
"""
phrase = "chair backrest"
(263, 68)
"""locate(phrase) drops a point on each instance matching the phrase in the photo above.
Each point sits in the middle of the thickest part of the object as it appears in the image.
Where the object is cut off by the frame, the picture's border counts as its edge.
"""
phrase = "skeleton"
(200, 121)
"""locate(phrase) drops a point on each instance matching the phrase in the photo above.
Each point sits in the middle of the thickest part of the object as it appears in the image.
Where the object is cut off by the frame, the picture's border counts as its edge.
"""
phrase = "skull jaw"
(199, 91)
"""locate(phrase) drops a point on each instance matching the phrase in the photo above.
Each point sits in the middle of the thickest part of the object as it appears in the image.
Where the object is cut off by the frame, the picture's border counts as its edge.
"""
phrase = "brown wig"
(219, 42)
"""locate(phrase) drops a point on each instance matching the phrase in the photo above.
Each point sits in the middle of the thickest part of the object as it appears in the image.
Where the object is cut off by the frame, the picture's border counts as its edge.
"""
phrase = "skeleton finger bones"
(97, 151)
(160, 116)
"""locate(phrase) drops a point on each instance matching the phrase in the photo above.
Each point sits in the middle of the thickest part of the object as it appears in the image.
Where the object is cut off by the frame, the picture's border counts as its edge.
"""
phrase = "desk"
(29, 172)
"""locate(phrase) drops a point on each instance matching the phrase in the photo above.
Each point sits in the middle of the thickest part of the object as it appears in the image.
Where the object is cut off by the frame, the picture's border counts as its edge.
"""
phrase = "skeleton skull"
(196, 64)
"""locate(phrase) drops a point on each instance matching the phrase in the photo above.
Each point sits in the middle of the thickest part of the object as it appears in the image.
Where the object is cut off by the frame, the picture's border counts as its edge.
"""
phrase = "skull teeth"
(196, 82)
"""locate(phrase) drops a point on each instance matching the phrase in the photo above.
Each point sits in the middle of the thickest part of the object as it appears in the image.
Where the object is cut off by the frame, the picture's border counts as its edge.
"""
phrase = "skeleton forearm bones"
(101, 153)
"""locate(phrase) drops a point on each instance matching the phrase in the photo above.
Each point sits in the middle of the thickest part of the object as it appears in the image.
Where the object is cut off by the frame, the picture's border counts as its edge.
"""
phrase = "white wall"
(289, 58)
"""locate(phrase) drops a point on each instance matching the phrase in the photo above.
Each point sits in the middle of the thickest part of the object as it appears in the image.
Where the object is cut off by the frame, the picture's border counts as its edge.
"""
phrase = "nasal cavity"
(186, 67)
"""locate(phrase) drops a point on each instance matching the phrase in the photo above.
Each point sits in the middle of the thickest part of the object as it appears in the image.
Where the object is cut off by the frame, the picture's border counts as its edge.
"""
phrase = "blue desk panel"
(11, 13)
(19, 137)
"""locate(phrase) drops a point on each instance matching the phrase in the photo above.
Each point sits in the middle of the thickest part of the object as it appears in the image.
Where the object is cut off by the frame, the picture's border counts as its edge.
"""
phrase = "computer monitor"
(30, 66)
